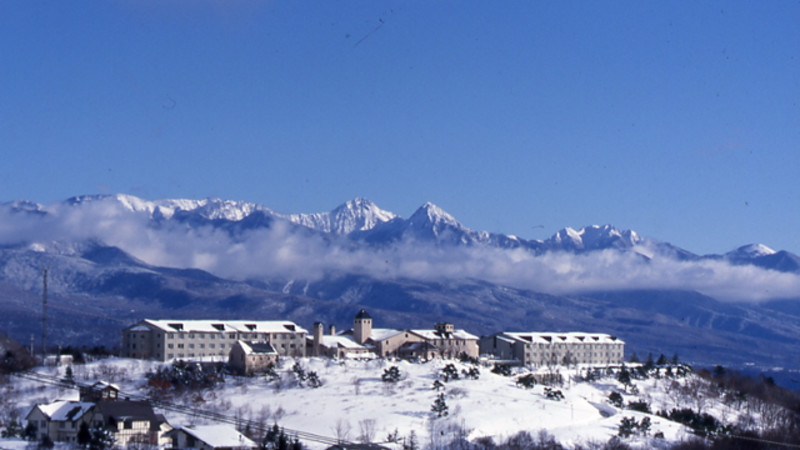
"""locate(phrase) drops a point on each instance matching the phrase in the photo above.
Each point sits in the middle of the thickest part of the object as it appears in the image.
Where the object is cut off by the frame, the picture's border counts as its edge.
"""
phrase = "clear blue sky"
(677, 119)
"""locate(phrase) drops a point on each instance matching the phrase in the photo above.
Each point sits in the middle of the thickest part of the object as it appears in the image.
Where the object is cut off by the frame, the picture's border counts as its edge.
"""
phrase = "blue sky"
(677, 119)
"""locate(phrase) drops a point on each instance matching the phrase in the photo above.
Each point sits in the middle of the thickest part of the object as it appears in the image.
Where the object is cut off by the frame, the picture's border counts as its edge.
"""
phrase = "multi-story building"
(164, 340)
(448, 341)
(549, 349)
(444, 341)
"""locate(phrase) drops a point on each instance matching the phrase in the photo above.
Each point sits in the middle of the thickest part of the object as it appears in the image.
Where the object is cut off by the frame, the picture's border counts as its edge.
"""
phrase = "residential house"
(209, 437)
(248, 357)
(539, 349)
(60, 420)
(100, 391)
(130, 422)
(164, 340)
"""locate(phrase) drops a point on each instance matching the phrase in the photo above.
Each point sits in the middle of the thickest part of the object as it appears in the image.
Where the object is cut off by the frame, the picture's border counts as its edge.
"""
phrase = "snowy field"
(353, 403)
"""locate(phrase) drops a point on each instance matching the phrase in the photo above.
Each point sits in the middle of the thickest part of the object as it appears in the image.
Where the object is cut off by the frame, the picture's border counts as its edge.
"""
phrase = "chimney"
(332, 329)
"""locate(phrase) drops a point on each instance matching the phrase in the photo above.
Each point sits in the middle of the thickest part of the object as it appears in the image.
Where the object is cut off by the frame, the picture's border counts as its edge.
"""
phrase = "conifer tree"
(440, 406)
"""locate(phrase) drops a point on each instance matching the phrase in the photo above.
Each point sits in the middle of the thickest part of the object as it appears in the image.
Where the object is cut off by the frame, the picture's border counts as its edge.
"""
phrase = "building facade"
(249, 357)
(164, 340)
(538, 349)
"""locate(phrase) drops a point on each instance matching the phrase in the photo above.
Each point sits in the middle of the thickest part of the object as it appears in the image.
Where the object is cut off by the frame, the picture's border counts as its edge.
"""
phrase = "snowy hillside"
(354, 403)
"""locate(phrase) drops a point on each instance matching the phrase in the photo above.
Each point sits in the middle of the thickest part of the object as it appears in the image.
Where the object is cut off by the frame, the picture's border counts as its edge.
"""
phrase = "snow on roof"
(257, 348)
(216, 326)
(379, 334)
(104, 384)
(435, 334)
(219, 436)
(561, 338)
(63, 410)
(340, 341)
(139, 328)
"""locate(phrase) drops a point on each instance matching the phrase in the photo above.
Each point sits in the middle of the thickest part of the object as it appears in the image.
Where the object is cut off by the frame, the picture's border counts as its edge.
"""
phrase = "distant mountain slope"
(112, 260)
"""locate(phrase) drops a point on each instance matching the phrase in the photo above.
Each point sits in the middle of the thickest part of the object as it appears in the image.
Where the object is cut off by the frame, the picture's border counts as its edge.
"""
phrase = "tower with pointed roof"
(362, 326)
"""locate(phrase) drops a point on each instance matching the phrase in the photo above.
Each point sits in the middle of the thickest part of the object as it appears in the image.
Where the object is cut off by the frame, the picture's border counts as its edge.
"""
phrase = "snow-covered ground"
(353, 401)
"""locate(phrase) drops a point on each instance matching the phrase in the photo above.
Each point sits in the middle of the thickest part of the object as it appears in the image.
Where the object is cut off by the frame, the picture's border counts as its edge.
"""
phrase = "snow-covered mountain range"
(114, 259)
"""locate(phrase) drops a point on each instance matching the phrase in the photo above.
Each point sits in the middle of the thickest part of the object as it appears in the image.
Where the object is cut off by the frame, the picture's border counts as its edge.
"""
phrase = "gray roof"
(363, 314)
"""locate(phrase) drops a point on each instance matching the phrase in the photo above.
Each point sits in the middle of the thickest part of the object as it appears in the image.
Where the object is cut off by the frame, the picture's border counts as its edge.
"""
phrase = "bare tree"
(342, 430)
(367, 430)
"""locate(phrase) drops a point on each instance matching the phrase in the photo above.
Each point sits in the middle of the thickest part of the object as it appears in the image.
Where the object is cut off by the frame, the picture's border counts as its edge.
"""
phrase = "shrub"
(526, 381)
(391, 375)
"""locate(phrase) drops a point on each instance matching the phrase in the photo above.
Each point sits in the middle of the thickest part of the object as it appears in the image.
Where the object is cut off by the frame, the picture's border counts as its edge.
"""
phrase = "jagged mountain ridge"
(362, 221)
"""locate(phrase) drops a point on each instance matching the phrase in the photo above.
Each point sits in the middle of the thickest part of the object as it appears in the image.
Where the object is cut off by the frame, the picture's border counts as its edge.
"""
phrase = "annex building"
(539, 349)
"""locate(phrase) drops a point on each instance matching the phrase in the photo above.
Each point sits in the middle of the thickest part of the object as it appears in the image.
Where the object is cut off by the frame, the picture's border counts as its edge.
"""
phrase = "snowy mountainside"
(354, 404)
(355, 215)
(123, 258)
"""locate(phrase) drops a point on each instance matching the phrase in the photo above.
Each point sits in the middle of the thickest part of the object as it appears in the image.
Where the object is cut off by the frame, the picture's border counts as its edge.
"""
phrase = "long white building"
(539, 349)
(164, 340)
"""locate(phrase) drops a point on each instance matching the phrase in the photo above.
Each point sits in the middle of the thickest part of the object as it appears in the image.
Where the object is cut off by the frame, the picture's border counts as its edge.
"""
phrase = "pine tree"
(626, 427)
(449, 372)
(13, 429)
(313, 380)
(69, 377)
(662, 360)
(101, 439)
(440, 406)
(30, 432)
(84, 435)
(391, 375)
(411, 442)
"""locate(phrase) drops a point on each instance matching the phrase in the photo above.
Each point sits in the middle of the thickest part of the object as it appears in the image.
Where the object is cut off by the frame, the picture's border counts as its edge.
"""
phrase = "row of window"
(282, 336)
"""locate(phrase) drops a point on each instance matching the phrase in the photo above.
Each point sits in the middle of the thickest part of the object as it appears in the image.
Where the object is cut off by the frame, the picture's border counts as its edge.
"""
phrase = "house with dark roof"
(130, 422)
(102, 390)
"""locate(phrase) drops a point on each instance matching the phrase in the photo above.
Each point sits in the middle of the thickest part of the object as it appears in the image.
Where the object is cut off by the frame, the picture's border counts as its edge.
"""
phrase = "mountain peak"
(593, 237)
(430, 213)
(751, 251)
(358, 214)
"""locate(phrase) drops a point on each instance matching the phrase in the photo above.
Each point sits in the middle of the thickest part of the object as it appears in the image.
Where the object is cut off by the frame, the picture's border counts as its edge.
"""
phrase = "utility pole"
(44, 315)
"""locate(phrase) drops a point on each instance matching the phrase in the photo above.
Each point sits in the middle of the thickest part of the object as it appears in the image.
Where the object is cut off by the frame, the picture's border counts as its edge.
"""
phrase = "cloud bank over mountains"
(244, 241)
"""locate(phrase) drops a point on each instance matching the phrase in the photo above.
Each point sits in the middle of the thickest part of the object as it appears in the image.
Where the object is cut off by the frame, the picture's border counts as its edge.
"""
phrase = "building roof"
(217, 435)
(562, 338)
(433, 335)
(257, 348)
(377, 334)
(363, 314)
(341, 342)
(121, 410)
(217, 326)
(65, 410)
(103, 385)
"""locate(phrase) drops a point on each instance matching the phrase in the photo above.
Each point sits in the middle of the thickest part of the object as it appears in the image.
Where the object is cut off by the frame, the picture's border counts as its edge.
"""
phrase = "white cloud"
(282, 252)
